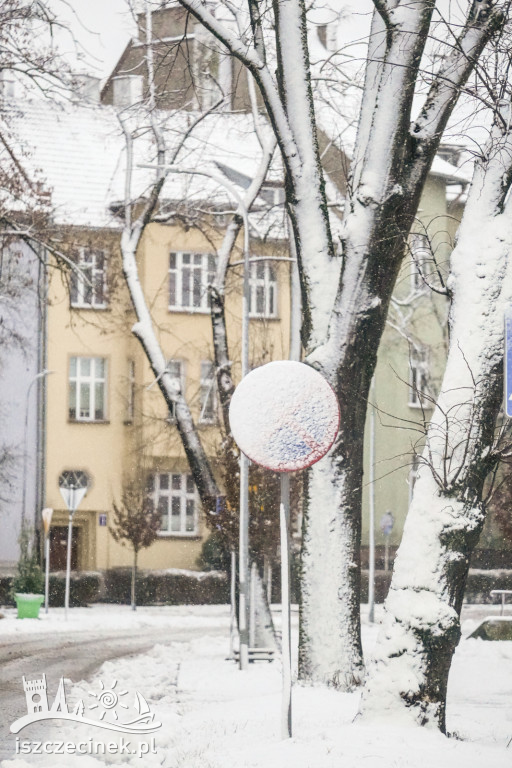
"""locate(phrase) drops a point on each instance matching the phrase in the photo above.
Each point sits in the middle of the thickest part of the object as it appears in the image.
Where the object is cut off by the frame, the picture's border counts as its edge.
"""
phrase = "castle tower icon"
(36, 695)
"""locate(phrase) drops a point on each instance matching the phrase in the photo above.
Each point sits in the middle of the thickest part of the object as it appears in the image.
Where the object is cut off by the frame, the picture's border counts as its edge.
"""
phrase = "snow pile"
(284, 416)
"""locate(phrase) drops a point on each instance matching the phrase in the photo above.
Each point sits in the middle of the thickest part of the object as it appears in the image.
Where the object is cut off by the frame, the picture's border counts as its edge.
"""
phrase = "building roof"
(79, 152)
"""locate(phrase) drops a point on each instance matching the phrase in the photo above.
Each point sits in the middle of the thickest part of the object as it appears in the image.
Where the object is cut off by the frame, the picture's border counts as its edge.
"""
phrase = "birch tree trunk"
(421, 628)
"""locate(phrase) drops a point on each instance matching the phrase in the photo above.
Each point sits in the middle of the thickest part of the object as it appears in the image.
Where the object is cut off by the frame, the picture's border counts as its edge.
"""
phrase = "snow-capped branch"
(384, 10)
(216, 291)
(248, 56)
(453, 75)
(257, 29)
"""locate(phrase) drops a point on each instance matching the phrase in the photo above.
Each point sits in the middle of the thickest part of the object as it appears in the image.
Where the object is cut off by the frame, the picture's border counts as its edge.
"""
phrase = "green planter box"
(28, 605)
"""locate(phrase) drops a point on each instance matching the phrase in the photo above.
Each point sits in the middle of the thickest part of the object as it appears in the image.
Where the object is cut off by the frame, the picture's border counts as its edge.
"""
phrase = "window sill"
(176, 535)
(89, 307)
(88, 421)
(423, 406)
(189, 310)
(264, 317)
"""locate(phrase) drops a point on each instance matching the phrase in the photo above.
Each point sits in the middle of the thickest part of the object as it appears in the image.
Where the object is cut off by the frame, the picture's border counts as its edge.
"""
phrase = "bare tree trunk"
(421, 628)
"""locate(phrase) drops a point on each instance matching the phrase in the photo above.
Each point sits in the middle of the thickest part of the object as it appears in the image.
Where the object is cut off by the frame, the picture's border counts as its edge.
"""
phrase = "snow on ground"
(102, 616)
(215, 716)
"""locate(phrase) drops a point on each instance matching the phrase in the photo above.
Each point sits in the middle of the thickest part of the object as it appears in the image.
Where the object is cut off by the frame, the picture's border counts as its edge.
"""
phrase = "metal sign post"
(508, 361)
(387, 522)
(73, 487)
(284, 523)
(285, 417)
(46, 514)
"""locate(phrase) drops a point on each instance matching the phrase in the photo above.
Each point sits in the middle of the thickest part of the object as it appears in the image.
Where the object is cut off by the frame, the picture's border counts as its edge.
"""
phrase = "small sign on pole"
(73, 486)
(387, 522)
(508, 361)
(284, 416)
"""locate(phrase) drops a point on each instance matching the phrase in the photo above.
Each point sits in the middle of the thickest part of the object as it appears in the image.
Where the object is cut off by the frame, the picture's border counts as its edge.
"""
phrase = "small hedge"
(179, 587)
(481, 582)
(478, 587)
(85, 587)
(168, 587)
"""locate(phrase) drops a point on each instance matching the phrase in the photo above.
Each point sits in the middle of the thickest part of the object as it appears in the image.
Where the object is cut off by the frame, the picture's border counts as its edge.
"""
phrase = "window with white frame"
(189, 277)
(87, 388)
(89, 286)
(175, 497)
(418, 383)
(263, 290)
(421, 255)
(208, 400)
(176, 369)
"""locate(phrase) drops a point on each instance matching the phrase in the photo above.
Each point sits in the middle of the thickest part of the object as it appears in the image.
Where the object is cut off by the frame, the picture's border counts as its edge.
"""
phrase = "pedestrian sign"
(508, 361)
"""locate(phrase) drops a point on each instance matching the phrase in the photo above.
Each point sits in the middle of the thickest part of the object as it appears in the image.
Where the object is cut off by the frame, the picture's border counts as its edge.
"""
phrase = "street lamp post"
(38, 376)
(47, 520)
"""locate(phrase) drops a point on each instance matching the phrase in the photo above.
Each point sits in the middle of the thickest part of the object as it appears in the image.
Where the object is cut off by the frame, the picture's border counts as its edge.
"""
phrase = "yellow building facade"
(105, 415)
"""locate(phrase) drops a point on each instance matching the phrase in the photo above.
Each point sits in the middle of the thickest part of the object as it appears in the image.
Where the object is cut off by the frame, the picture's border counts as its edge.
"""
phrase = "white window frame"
(267, 282)
(90, 276)
(201, 263)
(421, 254)
(176, 368)
(82, 380)
(208, 393)
(418, 383)
(183, 494)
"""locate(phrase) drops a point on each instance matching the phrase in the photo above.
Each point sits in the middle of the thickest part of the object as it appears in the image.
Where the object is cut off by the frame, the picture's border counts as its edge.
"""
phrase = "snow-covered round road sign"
(284, 416)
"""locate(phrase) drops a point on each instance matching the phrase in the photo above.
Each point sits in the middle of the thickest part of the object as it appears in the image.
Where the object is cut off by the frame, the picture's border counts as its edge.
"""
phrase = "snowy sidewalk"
(214, 716)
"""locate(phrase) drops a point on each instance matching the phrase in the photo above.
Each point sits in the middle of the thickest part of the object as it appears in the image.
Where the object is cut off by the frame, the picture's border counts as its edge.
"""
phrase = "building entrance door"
(59, 547)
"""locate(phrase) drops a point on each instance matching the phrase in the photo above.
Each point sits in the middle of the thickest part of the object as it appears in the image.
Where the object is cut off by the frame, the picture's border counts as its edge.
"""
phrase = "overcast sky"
(102, 29)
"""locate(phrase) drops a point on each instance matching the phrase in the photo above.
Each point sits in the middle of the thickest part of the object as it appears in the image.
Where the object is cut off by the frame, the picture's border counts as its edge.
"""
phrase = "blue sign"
(102, 519)
(386, 523)
(508, 361)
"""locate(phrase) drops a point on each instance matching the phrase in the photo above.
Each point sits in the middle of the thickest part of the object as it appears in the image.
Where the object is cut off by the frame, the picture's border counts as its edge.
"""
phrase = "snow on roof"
(80, 152)
(450, 173)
